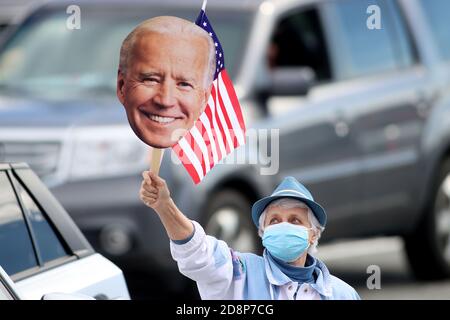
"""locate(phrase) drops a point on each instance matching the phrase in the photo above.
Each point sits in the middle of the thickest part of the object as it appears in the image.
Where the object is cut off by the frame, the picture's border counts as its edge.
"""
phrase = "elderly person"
(164, 80)
(290, 223)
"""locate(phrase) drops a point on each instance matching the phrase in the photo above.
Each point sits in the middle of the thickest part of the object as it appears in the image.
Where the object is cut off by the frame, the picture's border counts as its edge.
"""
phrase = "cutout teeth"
(161, 119)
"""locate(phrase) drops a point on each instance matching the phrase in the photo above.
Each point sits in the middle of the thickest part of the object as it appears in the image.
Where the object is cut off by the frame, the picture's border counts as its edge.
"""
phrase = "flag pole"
(204, 5)
(155, 161)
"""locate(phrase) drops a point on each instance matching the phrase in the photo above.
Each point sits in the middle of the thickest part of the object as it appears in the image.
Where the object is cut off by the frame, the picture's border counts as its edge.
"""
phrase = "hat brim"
(259, 206)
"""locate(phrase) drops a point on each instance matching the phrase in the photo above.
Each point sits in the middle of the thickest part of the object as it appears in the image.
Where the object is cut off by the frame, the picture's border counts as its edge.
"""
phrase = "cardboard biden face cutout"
(165, 76)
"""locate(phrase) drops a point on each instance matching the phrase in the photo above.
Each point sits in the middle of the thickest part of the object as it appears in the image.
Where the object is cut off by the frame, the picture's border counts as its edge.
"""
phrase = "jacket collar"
(323, 281)
(278, 278)
(274, 274)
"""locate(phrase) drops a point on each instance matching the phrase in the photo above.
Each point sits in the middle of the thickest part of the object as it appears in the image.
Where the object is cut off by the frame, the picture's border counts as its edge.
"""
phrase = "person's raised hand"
(154, 192)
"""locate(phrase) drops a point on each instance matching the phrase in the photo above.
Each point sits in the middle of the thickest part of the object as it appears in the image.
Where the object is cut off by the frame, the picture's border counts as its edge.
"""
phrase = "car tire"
(228, 217)
(428, 247)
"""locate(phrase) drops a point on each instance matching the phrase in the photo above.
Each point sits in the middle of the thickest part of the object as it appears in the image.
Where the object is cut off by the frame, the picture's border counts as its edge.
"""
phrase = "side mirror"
(290, 81)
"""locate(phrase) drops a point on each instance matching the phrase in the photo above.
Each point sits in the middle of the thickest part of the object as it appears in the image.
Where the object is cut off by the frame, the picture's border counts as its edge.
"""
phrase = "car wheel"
(428, 247)
(228, 217)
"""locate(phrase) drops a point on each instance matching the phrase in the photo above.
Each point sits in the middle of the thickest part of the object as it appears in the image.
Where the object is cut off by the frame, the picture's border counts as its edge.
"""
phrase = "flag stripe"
(205, 121)
(222, 123)
(217, 137)
(187, 165)
(200, 142)
(208, 141)
(197, 150)
(233, 98)
(189, 153)
(237, 129)
(218, 126)
(225, 118)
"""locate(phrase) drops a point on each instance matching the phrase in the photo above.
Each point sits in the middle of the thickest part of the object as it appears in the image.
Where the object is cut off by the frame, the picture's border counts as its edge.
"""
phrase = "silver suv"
(362, 110)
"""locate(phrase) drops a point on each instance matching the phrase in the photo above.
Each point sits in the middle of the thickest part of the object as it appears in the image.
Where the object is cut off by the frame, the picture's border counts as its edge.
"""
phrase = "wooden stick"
(156, 159)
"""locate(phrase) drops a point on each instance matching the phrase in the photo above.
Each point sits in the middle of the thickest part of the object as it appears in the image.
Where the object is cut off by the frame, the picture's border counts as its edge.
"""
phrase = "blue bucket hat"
(290, 188)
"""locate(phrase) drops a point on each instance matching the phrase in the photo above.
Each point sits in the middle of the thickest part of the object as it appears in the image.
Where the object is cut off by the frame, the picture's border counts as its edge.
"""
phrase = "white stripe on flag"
(224, 125)
(218, 135)
(192, 157)
(201, 143)
(230, 110)
(204, 119)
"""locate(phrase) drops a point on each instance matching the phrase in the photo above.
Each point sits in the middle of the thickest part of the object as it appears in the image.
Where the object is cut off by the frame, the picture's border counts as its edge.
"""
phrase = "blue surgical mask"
(286, 241)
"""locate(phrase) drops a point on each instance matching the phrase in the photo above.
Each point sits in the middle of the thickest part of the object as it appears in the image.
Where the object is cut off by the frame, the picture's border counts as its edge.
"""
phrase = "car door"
(7, 288)
(387, 96)
(315, 144)
(46, 251)
(5, 294)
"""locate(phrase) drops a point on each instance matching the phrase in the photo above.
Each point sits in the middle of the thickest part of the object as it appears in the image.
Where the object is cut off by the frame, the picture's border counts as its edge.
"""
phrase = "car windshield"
(47, 57)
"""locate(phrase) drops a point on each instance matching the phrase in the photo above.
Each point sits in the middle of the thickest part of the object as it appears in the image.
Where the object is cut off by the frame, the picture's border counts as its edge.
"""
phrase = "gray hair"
(289, 203)
(168, 25)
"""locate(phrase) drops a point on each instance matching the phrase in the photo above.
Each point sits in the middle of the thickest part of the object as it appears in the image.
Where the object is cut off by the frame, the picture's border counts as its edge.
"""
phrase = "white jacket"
(222, 273)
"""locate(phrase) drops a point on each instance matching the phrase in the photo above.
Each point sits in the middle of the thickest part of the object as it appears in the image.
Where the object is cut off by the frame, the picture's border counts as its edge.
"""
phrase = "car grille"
(42, 157)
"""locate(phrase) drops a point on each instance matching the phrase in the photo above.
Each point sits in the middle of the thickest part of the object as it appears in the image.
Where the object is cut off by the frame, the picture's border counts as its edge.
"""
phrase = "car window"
(360, 51)
(16, 249)
(298, 41)
(45, 57)
(49, 244)
(437, 13)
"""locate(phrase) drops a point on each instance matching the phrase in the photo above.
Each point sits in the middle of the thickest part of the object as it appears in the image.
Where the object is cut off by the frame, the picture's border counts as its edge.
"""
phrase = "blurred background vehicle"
(363, 118)
(42, 249)
(13, 10)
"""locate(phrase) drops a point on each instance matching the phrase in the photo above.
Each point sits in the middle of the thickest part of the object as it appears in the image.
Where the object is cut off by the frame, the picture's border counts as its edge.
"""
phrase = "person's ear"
(312, 237)
(120, 86)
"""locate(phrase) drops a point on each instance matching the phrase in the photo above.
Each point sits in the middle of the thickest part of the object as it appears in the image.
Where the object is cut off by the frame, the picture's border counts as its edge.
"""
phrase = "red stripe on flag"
(197, 151)
(186, 163)
(213, 130)
(202, 129)
(222, 131)
(227, 118)
(208, 113)
(233, 98)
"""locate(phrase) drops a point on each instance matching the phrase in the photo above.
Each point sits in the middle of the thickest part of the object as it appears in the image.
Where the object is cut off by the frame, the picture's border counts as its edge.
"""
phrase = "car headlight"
(107, 151)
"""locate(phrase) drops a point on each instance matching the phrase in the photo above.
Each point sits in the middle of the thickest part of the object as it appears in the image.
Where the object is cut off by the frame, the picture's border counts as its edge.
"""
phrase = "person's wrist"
(163, 206)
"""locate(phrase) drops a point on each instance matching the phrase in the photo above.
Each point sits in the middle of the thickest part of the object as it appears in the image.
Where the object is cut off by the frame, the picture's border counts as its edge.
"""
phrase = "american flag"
(220, 128)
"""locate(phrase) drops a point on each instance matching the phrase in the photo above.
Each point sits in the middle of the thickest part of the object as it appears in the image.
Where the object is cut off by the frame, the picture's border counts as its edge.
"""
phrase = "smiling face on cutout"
(164, 88)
